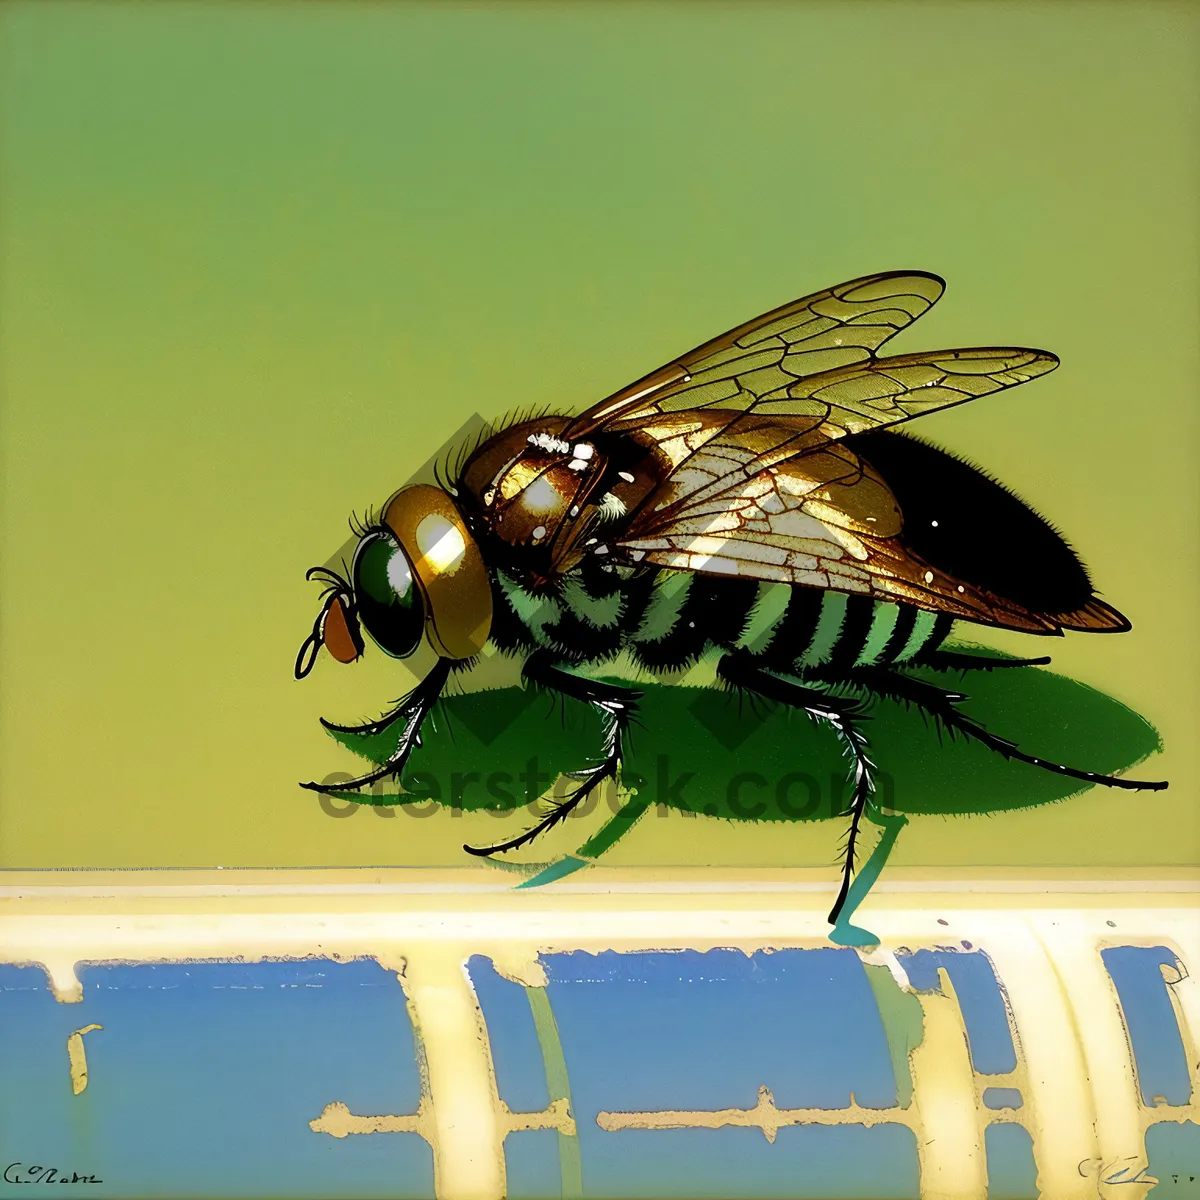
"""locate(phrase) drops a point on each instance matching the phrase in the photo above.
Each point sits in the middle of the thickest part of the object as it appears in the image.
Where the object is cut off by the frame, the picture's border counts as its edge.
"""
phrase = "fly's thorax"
(447, 568)
(548, 500)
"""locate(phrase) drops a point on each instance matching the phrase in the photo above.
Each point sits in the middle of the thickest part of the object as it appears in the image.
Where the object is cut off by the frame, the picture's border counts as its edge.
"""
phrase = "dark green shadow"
(704, 751)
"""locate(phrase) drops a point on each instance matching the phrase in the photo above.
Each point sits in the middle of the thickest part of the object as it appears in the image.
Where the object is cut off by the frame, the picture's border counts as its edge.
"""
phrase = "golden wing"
(757, 484)
(823, 519)
(714, 450)
(797, 378)
(832, 329)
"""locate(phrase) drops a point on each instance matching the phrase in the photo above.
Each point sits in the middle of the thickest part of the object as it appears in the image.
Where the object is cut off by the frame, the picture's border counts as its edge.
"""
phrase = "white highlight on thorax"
(546, 441)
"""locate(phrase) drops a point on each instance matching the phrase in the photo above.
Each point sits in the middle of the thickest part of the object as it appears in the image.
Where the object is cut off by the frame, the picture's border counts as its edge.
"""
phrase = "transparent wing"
(829, 330)
(714, 454)
(825, 520)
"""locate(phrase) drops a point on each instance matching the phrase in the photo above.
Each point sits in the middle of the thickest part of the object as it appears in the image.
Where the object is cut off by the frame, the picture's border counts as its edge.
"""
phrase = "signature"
(1123, 1176)
(17, 1172)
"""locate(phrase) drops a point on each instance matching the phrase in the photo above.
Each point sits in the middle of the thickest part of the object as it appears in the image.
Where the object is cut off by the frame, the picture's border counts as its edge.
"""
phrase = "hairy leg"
(412, 711)
(616, 703)
(835, 711)
(942, 705)
(954, 660)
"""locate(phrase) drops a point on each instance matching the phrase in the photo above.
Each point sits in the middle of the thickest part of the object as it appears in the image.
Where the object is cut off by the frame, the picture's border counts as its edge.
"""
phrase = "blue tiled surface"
(1150, 1019)
(1012, 1172)
(838, 1162)
(532, 1165)
(979, 997)
(1173, 1151)
(205, 1076)
(516, 1056)
(692, 1031)
(658, 1031)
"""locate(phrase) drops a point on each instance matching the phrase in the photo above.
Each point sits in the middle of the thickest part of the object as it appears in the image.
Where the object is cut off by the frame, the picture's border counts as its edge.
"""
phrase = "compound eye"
(386, 595)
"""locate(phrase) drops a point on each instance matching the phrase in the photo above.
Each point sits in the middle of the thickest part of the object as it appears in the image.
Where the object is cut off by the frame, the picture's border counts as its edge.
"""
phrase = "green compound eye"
(386, 595)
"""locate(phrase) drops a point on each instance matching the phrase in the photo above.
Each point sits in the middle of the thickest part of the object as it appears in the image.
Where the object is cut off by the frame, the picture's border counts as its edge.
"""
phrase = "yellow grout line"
(950, 1141)
(680, 888)
(763, 1116)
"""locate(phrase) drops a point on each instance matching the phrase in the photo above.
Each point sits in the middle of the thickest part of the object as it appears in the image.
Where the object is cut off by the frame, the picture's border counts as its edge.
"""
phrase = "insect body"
(749, 498)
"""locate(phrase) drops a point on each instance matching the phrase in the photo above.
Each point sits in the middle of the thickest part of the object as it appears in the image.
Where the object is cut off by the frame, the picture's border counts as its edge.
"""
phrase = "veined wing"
(824, 519)
(712, 456)
(829, 330)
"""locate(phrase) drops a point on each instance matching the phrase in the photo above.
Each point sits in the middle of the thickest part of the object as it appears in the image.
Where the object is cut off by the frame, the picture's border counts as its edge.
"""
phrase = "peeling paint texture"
(625, 1037)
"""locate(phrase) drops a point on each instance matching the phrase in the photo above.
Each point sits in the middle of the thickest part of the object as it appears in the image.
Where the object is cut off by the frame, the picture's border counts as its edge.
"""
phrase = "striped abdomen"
(667, 619)
(785, 626)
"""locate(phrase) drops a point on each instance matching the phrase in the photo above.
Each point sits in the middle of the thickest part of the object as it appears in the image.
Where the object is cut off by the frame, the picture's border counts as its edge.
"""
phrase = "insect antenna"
(307, 657)
(333, 581)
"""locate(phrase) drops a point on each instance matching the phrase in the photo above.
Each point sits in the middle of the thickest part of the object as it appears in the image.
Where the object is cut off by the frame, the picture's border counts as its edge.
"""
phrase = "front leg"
(618, 705)
(412, 710)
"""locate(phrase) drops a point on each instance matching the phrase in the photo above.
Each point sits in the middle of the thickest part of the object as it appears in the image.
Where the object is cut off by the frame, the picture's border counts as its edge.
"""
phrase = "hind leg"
(954, 660)
(839, 713)
(942, 705)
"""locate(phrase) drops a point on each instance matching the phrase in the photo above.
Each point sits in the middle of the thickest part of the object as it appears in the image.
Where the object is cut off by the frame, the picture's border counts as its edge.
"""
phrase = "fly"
(753, 498)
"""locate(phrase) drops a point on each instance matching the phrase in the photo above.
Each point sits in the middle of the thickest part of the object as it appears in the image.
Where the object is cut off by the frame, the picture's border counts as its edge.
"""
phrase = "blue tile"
(205, 1076)
(1001, 1097)
(1173, 1152)
(705, 1030)
(1011, 1169)
(1158, 1052)
(516, 1055)
(532, 1165)
(691, 1031)
(980, 999)
(807, 1162)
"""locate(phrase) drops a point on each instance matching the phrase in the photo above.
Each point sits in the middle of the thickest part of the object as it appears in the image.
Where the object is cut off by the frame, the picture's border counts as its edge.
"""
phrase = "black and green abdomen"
(668, 619)
(786, 627)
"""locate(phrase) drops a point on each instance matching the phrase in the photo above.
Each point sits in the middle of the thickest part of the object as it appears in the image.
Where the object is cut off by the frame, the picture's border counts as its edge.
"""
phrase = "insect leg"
(412, 711)
(836, 711)
(953, 660)
(942, 706)
(617, 704)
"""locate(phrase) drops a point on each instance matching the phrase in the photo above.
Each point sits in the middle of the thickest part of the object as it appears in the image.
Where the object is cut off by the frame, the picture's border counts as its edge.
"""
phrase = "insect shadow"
(712, 755)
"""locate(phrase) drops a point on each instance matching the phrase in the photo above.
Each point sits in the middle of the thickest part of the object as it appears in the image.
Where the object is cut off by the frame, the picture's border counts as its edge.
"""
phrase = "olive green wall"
(257, 262)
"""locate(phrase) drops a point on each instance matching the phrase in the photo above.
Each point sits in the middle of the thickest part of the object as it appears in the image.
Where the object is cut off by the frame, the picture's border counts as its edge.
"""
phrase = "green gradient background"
(257, 262)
